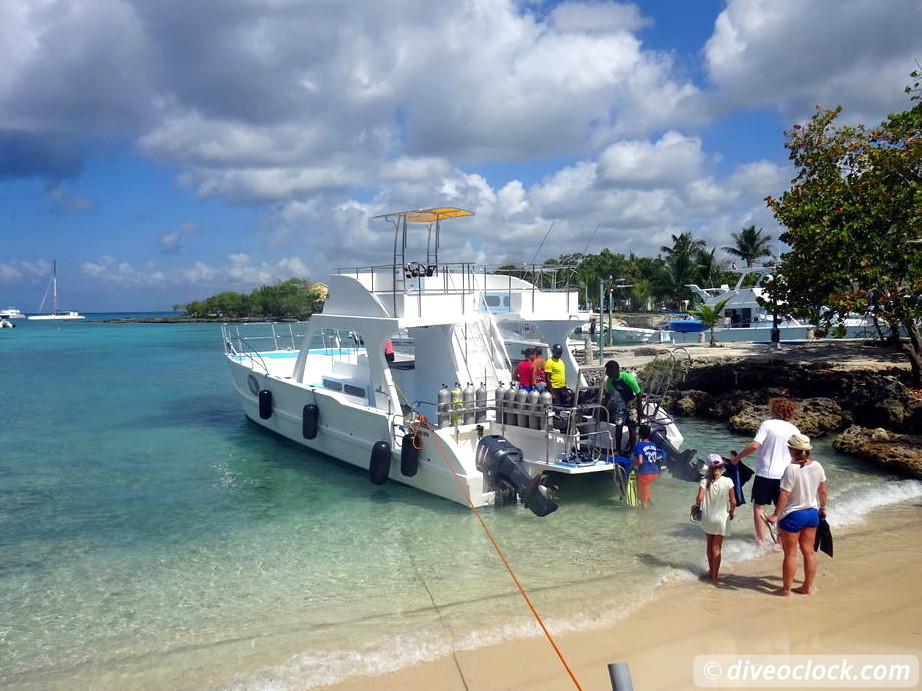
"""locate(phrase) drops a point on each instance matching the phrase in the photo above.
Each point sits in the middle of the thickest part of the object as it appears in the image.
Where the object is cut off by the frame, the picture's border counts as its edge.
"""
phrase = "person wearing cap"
(717, 502)
(619, 389)
(523, 370)
(771, 443)
(556, 372)
(800, 505)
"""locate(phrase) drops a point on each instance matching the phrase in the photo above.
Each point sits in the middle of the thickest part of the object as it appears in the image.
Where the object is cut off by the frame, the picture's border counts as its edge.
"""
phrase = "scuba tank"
(444, 405)
(456, 404)
(510, 417)
(521, 402)
(534, 406)
(480, 404)
(467, 397)
(545, 402)
(500, 395)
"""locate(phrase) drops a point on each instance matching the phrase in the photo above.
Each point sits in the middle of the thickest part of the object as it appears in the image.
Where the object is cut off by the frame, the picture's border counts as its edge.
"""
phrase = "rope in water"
(422, 422)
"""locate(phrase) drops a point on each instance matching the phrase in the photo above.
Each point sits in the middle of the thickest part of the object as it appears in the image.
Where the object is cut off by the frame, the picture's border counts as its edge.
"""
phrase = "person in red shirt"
(523, 370)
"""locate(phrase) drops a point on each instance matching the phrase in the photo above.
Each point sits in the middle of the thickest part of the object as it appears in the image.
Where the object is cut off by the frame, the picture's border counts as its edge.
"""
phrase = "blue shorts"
(796, 521)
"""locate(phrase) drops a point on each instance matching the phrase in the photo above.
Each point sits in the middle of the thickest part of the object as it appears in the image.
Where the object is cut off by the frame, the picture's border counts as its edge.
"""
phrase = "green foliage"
(850, 217)
(711, 316)
(751, 245)
(291, 299)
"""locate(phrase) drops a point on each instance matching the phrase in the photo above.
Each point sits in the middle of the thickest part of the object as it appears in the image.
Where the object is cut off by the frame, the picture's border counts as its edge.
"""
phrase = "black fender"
(310, 420)
(379, 467)
(409, 456)
(265, 404)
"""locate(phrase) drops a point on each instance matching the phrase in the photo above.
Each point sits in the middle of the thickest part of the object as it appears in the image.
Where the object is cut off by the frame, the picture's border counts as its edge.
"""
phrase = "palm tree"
(751, 244)
(682, 260)
(709, 316)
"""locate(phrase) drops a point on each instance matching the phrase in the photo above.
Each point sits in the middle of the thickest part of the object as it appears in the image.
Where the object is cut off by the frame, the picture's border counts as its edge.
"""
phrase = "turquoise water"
(151, 537)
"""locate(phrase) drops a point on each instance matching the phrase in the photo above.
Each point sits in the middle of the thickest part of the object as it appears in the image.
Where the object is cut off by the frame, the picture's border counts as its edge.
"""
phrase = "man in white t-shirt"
(771, 442)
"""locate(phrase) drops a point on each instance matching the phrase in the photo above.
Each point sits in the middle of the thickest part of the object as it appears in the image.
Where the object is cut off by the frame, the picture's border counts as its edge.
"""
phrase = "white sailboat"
(55, 312)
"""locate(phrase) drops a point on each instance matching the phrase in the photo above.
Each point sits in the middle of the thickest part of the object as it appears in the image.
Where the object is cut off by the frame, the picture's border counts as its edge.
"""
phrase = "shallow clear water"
(151, 537)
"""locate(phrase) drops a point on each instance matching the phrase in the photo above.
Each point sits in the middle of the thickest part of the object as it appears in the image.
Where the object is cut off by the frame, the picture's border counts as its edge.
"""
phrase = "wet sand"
(868, 601)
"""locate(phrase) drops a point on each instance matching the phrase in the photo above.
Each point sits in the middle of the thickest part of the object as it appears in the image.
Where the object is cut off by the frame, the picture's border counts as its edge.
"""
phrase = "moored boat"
(440, 418)
(55, 313)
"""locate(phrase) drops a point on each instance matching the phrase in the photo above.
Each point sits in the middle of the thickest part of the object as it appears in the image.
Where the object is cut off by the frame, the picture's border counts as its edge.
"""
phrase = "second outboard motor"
(681, 464)
(501, 462)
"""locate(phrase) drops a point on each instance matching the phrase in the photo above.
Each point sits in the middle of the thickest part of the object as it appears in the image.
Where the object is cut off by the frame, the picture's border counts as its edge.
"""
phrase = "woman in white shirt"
(800, 506)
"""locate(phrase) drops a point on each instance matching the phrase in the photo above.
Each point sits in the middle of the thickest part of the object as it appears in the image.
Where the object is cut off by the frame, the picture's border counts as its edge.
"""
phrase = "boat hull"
(348, 432)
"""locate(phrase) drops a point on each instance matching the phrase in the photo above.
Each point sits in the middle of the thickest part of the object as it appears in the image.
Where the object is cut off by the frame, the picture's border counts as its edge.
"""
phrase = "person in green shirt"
(619, 390)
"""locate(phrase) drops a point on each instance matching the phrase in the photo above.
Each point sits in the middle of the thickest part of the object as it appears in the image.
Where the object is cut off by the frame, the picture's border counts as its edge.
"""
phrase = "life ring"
(379, 468)
(265, 404)
(310, 419)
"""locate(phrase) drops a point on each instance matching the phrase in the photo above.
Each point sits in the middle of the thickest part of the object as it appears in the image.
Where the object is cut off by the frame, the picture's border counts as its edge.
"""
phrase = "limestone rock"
(900, 454)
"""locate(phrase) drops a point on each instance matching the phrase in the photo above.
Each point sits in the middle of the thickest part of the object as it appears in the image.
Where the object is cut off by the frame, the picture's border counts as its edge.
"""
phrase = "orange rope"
(506, 563)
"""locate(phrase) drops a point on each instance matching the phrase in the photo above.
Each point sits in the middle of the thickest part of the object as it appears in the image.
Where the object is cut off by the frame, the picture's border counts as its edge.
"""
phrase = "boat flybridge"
(440, 414)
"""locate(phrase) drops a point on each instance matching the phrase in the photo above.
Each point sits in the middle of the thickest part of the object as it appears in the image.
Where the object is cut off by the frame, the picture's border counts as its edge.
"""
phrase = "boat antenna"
(591, 238)
(549, 228)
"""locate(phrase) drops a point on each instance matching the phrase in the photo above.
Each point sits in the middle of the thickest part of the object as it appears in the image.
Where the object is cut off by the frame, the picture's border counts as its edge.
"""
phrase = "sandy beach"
(868, 601)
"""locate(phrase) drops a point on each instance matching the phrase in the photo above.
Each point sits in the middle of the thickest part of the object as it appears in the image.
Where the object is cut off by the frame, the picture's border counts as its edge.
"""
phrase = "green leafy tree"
(751, 245)
(851, 216)
(682, 260)
(711, 316)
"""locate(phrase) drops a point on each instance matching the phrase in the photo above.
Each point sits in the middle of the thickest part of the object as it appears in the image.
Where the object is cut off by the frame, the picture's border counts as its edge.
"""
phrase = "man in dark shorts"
(771, 441)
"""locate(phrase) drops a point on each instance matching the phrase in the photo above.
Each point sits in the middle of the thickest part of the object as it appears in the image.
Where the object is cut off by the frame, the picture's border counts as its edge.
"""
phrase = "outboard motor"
(682, 464)
(501, 463)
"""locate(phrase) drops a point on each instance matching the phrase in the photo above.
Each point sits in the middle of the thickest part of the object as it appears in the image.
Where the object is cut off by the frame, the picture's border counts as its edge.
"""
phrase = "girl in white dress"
(717, 501)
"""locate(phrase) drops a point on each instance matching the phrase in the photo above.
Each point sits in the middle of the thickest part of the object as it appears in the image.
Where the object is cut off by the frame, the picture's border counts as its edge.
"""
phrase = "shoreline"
(849, 615)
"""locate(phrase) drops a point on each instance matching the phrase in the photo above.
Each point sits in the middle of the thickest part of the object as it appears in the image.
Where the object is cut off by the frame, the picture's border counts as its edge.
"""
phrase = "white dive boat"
(747, 318)
(11, 313)
(55, 312)
(440, 419)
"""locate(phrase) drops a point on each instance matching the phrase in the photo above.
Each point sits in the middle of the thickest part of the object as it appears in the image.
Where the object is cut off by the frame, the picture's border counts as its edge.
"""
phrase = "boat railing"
(663, 373)
(249, 340)
(529, 288)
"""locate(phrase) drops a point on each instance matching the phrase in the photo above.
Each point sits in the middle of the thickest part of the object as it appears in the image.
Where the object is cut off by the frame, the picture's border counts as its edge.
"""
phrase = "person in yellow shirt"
(556, 372)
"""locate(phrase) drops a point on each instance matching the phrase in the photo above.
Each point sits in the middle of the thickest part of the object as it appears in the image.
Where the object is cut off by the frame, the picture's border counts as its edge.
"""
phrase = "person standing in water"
(618, 392)
(801, 504)
(645, 458)
(717, 502)
(771, 443)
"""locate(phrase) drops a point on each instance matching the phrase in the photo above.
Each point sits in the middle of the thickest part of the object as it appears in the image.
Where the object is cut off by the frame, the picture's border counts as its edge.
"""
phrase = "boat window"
(332, 385)
(354, 390)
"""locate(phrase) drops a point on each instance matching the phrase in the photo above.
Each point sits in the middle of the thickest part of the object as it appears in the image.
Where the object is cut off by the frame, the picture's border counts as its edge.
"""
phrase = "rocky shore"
(855, 392)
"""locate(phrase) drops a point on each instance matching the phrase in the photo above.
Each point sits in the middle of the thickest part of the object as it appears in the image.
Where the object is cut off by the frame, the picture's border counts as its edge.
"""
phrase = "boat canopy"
(427, 215)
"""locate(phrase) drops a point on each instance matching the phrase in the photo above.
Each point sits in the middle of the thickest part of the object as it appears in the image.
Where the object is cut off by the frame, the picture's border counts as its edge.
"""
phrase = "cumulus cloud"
(324, 115)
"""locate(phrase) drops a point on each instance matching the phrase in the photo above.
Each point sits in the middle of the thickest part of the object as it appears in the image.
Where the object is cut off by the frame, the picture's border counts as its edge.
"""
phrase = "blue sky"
(165, 151)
